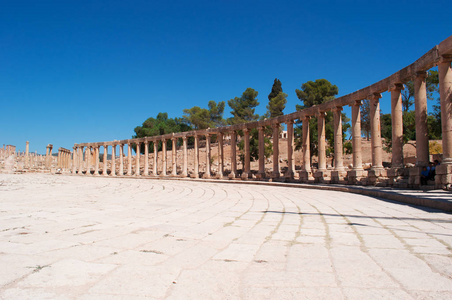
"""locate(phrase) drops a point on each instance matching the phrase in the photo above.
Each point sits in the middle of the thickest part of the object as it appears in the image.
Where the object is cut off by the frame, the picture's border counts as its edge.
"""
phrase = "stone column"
(74, 160)
(220, 155)
(113, 160)
(121, 159)
(87, 160)
(247, 154)
(443, 178)
(80, 160)
(129, 159)
(196, 154)
(445, 90)
(207, 174)
(290, 147)
(275, 173)
(375, 128)
(338, 148)
(137, 160)
(59, 158)
(164, 166)
(397, 125)
(96, 159)
(146, 158)
(356, 138)
(185, 154)
(305, 173)
(261, 172)
(27, 155)
(105, 160)
(233, 155)
(420, 104)
(156, 150)
(174, 157)
(321, 141)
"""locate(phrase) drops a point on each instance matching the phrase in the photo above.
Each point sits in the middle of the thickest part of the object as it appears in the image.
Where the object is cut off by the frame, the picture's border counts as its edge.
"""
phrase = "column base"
(246, 176)
(231, 175)
(356, 176)
(260, 176)
(398, 177)
(206, 176)
(289, 175)
(443, 177)
(322, 176)
(338, 176)
(377, 176)
(219, 176)
(306, 176)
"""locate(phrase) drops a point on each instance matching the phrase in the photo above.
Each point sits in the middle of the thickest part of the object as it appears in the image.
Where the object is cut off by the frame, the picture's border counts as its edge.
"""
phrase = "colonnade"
(86, 155)
(7, 151)
(64, 158)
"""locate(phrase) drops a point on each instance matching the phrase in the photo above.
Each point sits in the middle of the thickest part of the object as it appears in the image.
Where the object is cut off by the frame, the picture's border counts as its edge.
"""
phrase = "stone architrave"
(275, 136)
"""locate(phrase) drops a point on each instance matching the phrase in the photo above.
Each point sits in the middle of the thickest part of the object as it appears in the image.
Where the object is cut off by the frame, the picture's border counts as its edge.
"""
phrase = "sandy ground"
(67, 237)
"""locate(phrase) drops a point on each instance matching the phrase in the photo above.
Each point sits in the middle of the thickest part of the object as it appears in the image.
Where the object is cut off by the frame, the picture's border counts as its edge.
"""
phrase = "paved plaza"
(67, 237)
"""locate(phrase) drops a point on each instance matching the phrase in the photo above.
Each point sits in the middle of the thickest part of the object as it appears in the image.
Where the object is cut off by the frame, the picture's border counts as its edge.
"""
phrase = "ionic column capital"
(396, 87)
(357, 103)
(420, 75)
(337, 109)
(445, 59)
(374, 96)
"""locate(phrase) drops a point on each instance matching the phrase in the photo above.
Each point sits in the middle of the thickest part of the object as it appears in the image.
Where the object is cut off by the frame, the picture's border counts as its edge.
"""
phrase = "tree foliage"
(243, 107)
(313, 93)
(202, 118)
(407, 93)
(276, 101)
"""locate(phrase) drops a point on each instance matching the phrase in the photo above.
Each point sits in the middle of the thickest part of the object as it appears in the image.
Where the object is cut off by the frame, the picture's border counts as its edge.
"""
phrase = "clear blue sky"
(91, 71)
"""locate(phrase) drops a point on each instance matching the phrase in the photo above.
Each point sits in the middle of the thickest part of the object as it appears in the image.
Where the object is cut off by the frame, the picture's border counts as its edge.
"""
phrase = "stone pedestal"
(414, 177)
(355, 176)
(443, 177)
(397, 177)
(322, 176)
(377, 176)
(338, 176)
(305, 176)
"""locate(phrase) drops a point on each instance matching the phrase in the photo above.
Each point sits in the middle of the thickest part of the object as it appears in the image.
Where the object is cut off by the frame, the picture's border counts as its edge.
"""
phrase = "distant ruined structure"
(86, 159)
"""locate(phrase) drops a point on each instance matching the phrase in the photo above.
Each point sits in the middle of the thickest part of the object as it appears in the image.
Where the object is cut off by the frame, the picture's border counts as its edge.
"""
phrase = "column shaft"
(275, 135)
(105, 166)
(146, 158)
(338, 148)
(356, 138)
(321, 140)
(261, 171)
(306, 145)
(121, 159)
(445, 88)
(290, 148)
(196, 154)
(156, 149)
(397, 125)
(129, 159)
(375, 129)
(113, 160)
(420, 108)
(247, 154)
(137, 166)
(164, 166)
(174, 156)
(185, 154)
(233, 154)
(220, 155)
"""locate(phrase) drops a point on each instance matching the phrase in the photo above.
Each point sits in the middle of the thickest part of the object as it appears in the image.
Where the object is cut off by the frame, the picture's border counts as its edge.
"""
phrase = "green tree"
(159, 126)
(432, 82)
(243, 107)
(365, 118)
(202, 118)
(313, 93)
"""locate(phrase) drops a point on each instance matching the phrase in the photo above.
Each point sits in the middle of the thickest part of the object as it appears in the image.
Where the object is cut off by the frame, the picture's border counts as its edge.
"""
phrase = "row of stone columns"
(337, 174)
(64, 158)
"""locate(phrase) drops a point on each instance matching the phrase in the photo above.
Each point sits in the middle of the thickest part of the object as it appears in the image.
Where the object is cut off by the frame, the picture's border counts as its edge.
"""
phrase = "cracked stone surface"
(66, 237)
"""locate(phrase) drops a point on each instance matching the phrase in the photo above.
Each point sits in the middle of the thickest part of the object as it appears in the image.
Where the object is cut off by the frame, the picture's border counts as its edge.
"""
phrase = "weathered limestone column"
(174, 156)
(377, 148)
(96, 159)
(339, 172)
(420, 104)
(354, 176)
(87, 160)
(80, 160)
(290, 147)
(129, 159)
(275, 135)
(164, 166)
(321, 173)
(261, 172)
(74, 160)
(27, 155)
(220, 155)
(397, 125)
(137, 160)
(156, 150)
(105, 160)
(196, 154)
(247, 153)
(233, 155)
(59, 158)
(305, 173)
(185, 154)
(121, 159)
(146, 158)
(49, 156)
(208, 156)
(113, 160)
(377, 173)
(443, 178)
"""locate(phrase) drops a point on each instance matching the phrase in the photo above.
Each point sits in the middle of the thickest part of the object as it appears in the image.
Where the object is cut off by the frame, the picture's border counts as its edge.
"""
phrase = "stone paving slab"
(70, 237)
